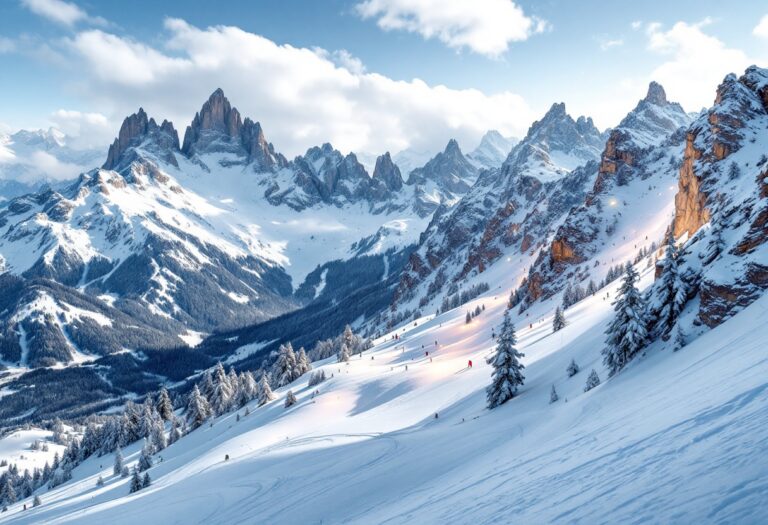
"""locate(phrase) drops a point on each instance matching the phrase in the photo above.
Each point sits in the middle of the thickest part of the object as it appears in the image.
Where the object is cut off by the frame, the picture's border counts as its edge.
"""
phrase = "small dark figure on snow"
(469, 364)
(226, 457)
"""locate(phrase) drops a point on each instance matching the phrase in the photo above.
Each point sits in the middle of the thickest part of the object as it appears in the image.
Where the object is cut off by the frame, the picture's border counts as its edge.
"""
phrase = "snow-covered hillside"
(677, 436)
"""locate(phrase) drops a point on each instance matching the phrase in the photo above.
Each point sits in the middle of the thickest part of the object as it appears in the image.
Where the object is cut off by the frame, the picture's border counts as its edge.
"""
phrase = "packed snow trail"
(676, 437)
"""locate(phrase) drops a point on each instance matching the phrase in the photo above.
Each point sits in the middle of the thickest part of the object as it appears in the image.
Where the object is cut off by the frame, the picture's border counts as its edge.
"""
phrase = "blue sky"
(344, 71)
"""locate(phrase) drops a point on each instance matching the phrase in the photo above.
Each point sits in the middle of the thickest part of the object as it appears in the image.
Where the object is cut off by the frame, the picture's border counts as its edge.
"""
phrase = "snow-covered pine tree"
(146, 481)
(468, 318)
(558, 322)
(135, 482)
(679, 341)
(145, 458)
(146, 419)
(507, 370)
(348, 338)
(344, 353)
(627, 332)
(157, 436)
(572, 369)
(175, 433)
(100, 482)
(265, 392)
(290, 399)
(7, 492)
(591, 288)
(198, 409)
(592, 381)
(221, 398)
(669, 293)
(36, 501)
(303, 362)
(553, 397)
(118, 466)
(284, 369)
(164, 405)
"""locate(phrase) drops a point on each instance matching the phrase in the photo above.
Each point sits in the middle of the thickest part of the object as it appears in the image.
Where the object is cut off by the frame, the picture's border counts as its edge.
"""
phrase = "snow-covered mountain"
(30, 160)
(511, 208)
(492, 150)
(402, 433)
(634, 184)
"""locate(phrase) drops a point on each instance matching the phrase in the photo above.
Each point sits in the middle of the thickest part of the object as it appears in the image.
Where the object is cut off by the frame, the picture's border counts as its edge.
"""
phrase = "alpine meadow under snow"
(566, 327)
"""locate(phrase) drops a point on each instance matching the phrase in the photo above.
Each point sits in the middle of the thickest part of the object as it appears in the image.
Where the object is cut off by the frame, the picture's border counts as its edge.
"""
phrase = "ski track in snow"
(676, 438)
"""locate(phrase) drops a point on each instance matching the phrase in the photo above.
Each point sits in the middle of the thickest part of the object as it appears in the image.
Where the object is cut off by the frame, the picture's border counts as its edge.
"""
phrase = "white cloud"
(636, 24)
(303, 97)
(61, 12)
(608, 43)
(83, 130)
(761, 29)
(483, 26)
(696, 63)
(6, 45)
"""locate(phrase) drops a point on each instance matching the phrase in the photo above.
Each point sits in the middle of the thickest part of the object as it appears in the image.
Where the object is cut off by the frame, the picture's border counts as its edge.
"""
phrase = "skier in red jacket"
(469, 365)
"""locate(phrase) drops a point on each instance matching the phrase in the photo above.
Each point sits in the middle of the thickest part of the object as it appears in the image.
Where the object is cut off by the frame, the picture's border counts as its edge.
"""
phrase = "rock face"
(136, 131)
(449, 171)
(388, 173)
(556, 145)
(219, 128)
(506, 207)
(645, 144)
(722, 202)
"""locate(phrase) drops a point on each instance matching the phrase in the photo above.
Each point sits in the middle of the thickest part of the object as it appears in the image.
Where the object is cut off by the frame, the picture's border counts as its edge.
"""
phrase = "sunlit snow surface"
(675, 438)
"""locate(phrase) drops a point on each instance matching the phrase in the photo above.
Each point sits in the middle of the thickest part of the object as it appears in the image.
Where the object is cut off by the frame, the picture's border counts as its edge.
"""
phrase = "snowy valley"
(568, 328)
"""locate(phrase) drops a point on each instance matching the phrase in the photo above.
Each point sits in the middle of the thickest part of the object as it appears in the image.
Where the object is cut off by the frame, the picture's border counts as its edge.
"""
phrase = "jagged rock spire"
(387, 172)
(134, 130)
(656, 94)
(219, 127)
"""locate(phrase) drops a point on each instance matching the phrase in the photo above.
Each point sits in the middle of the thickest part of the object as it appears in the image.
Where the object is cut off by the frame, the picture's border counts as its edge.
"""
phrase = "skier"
(427, 354)
(226, 457)
(469, 365)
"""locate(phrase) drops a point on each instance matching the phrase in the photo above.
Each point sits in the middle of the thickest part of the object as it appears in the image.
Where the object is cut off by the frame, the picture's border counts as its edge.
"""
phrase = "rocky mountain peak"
(656, 94)
(218, 127)
(134, 131)
(388, 173)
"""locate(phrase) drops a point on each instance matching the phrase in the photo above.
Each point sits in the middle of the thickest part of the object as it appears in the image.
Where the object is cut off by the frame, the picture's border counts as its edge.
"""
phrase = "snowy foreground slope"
(677, 437)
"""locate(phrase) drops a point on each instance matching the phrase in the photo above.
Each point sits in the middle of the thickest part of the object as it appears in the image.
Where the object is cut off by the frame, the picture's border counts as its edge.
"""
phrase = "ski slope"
(675, 438)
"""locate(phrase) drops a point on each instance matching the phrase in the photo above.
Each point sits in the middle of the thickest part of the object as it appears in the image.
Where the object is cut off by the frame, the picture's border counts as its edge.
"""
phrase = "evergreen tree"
(135, 482)
(118, 467)
(670, 295)
(175, 433)
(679, 341)
(221, 398)
(290, 399)
(284, 370)
(164, 405)
(125, 473)
(344, 353)
(507, 369)
(348, 338)
(157, 436)
(100, 482)
(198, 409)
(553, 397)
(265, 392)
(303, 362)
(468, 318)
(627, 332)
(145, 458)
(36, 501)
(592, 381)
(7, 493)
(591, 288)
(558, 322)
(146, 481)
(573, 368)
